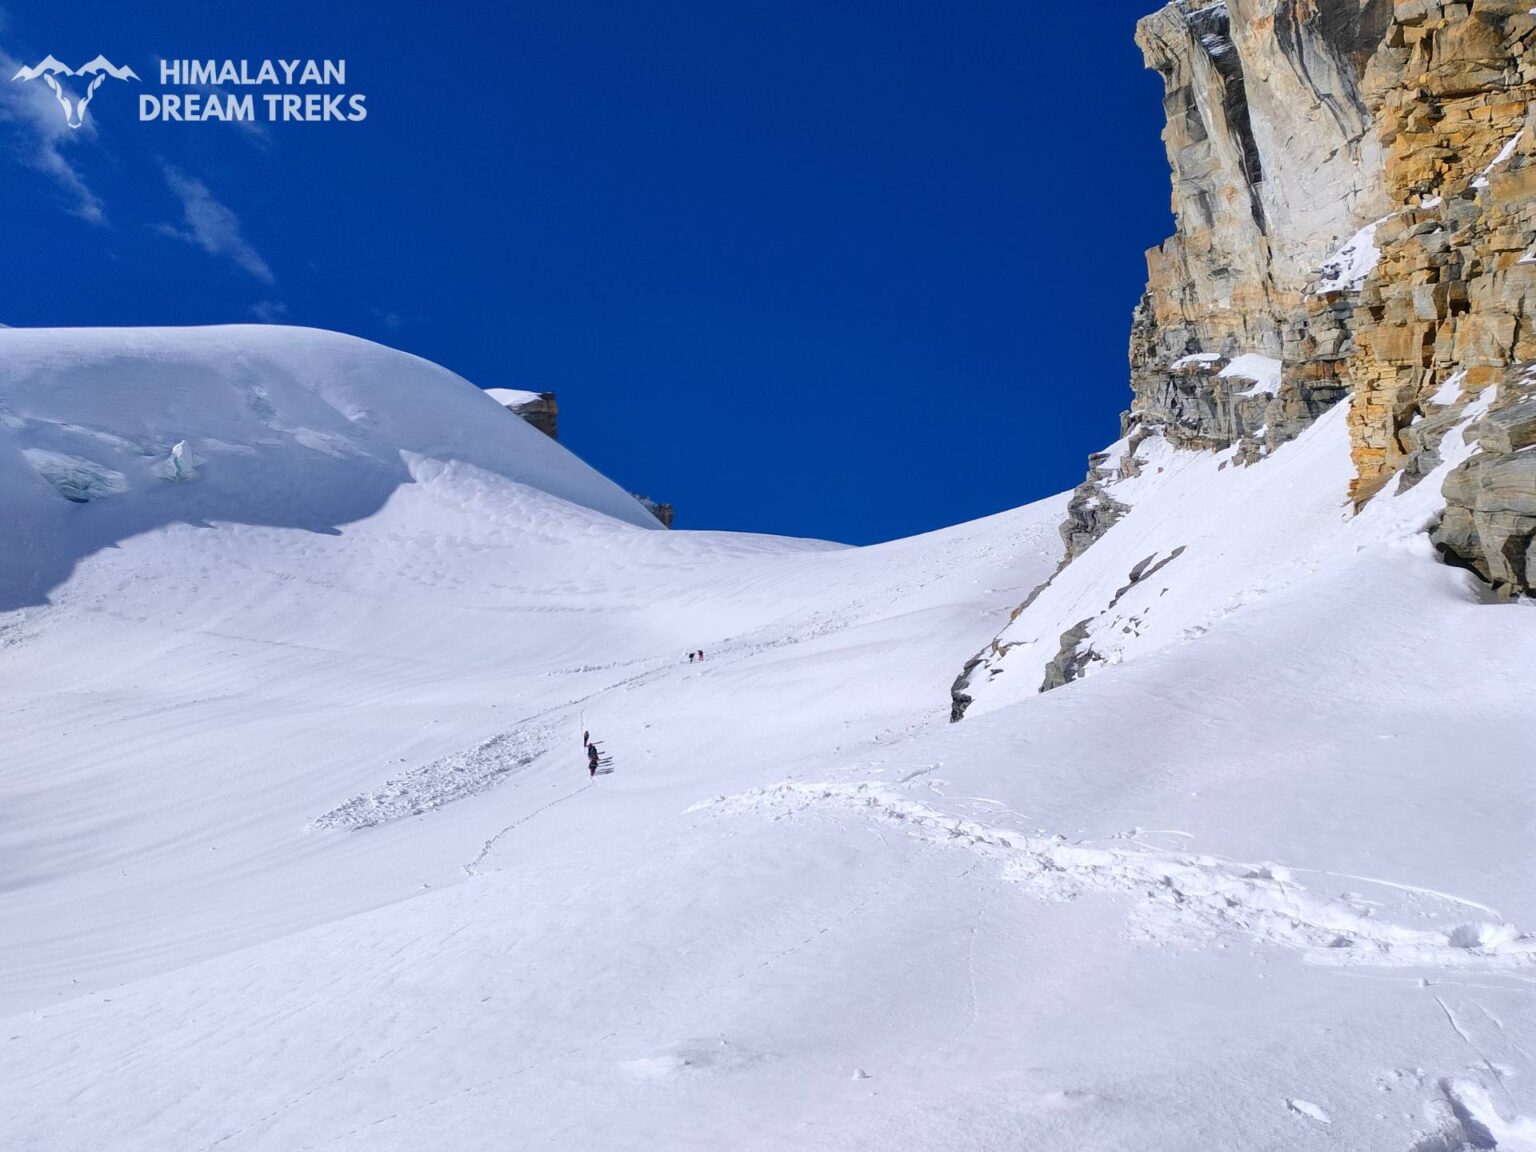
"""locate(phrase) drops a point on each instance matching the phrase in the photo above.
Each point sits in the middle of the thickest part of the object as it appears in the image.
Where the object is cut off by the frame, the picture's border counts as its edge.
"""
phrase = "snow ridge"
(1187, 895)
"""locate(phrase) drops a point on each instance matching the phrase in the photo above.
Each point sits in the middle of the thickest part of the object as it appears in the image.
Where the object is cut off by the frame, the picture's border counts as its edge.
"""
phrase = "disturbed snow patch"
(442, 781)
(691, 1056)
(1464, 1117)
(1308, 1109)
(1186, 894)
(75, 478)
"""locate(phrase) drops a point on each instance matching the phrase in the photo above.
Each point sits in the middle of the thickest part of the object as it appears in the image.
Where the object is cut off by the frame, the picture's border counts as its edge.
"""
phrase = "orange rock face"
(1355, 189)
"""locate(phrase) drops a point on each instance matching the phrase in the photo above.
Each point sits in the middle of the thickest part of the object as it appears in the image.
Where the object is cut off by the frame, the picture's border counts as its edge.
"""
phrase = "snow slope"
(301, 851)
(1208, 538)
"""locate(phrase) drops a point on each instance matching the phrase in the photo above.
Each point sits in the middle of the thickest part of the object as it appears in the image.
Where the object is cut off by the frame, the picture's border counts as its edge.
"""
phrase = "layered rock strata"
(541, 409)
(1355, 191)
(1354, 186)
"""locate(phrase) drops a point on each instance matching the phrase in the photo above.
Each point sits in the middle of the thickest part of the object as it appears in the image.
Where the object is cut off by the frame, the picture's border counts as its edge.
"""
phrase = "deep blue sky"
(849, 270)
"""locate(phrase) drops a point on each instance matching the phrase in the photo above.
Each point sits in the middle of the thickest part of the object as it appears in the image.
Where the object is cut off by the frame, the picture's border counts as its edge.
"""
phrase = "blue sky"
(848, 270)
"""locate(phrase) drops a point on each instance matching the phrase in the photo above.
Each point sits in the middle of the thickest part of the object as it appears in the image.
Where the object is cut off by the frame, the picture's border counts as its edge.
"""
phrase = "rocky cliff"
(541, 409)
(1355, 194)
(1444, 326)
(663, 512)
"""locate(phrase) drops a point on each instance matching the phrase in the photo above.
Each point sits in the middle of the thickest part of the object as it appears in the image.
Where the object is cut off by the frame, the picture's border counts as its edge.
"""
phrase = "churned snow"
(303, 852)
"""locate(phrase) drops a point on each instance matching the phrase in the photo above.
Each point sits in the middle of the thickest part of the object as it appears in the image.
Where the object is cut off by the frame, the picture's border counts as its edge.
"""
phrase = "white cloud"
(212, 226)
(41, 134)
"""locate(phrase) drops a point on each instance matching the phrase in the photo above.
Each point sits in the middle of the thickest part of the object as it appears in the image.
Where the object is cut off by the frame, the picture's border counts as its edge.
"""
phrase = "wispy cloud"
(270, 311)
(212, 226)
(40, 133)
(253, 130)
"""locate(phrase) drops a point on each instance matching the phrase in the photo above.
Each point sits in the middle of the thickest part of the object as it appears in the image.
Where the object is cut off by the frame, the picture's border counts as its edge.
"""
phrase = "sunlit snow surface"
(301, 850)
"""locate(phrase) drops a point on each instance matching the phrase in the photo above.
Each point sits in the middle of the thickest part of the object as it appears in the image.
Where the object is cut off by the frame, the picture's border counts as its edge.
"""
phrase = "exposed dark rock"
(662, 512)
(1071, 659)
(959, 698)
(1490, 518)
(538, 408)
(1092, 511)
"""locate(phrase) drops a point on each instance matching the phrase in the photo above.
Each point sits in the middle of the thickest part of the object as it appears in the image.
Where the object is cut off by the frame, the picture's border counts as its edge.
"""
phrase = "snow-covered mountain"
(290, 428)
(1231, 849)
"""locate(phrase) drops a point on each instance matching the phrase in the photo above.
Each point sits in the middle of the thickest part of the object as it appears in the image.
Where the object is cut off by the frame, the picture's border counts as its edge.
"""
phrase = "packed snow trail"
(472, 867)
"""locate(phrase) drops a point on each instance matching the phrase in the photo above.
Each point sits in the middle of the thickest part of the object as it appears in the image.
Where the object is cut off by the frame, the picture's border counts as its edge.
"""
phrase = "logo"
(287, 91)
(74, 106)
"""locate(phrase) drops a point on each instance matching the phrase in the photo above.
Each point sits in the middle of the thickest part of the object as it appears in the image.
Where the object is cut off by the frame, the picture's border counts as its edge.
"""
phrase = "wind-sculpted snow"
(1187, 894)
(252, 424)
(442, 781)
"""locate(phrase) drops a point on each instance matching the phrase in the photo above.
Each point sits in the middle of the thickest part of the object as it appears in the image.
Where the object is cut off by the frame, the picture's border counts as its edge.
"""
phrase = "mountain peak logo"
(50, 69)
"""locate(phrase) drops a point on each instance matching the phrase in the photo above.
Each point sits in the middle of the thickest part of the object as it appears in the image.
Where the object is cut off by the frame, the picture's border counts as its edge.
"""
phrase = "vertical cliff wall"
(1354, 186)
(1444, 326)
(1274, 166)
(1244, 334)
(1355, 192)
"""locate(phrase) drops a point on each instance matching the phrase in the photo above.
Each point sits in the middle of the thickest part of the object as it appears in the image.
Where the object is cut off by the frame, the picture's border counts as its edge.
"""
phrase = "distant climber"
(691, 655)
(592, 758)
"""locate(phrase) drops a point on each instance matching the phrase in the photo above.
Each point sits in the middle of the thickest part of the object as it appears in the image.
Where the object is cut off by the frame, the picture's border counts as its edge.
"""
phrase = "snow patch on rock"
(1346, 270)
(1264, 371)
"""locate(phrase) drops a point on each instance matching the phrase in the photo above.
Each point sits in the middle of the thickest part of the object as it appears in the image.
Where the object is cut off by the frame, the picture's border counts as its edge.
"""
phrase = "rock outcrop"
(1273, 168)
(1355, 191)
(543, 411)
(1354, 185)
(538, 408)
(662, 512)
(1445, 326)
